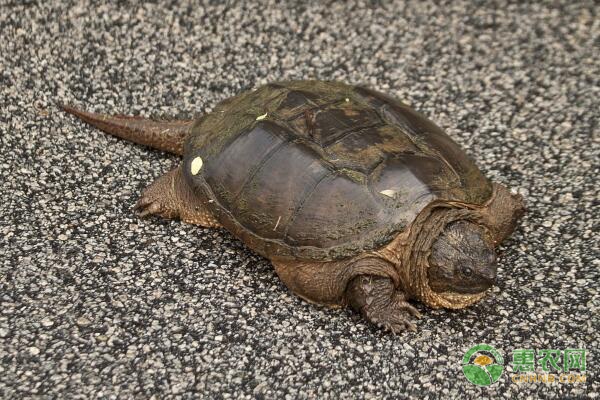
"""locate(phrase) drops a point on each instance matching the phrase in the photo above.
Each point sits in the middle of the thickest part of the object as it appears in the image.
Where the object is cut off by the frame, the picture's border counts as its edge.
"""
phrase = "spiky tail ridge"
(162, 135)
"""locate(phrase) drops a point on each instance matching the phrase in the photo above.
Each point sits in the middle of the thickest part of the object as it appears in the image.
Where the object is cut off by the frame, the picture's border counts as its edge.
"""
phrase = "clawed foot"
(381, 303)
(171, 198)
(393, 316)
(146, 206)
(155, 200)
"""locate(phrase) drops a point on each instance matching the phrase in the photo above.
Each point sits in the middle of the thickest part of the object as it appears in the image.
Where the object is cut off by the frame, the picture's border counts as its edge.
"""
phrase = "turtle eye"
(466, 271)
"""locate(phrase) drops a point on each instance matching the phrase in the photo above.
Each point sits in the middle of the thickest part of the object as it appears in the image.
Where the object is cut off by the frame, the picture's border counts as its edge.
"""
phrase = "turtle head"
(462, 260)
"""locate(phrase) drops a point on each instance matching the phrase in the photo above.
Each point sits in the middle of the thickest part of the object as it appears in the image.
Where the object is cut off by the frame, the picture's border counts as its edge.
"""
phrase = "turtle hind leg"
(171, 197)
(162, 135)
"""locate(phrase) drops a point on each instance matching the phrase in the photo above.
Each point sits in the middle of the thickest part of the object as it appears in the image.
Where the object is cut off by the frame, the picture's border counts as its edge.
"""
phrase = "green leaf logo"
(483, 365)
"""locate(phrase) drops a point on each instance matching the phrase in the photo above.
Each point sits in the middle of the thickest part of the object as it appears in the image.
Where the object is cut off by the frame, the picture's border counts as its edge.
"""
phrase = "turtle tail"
(162, 135)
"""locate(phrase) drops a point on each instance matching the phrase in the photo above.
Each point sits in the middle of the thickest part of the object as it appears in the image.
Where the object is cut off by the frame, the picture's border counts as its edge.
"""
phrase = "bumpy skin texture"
(343, 188)
(170, 197)
(163, 135)
(322, 171)
(378, 300)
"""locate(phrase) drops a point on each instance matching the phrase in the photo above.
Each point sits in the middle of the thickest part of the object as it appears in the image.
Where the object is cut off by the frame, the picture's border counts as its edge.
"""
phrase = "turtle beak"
(488, 275)
(488, 281)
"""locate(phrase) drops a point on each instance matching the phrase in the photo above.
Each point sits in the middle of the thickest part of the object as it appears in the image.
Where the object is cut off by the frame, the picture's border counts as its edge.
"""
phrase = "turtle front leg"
(379, 302)
(502, 212)
(171, 197)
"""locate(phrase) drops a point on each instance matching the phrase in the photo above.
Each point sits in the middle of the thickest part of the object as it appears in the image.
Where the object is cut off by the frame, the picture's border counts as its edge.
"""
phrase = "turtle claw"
(144, 210)
(380, 302)
(394, 316)
(409, 326)
(396, 324)
(144, 205)
(152, 203)
(402, 304)
(411, 310)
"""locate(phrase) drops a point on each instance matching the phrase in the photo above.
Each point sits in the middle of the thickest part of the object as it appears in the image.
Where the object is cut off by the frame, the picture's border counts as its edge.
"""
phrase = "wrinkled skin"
(462, 260)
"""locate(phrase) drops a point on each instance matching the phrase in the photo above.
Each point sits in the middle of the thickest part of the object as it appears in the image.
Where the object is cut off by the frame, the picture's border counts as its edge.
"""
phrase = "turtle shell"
(315, 170)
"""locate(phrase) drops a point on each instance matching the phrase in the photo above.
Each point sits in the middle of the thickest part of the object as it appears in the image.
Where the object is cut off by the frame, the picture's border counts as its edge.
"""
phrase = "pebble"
(34, 351)
(83, 321)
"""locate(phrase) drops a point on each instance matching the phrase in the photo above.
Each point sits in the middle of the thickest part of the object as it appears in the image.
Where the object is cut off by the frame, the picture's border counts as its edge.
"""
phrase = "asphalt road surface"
(96, 303)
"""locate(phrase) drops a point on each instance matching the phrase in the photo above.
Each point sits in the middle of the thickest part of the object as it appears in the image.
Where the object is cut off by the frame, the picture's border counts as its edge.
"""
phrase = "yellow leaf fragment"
(389, 193)
(196, 165)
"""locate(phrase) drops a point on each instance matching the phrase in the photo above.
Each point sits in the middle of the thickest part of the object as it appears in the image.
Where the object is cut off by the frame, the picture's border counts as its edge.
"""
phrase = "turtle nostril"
(488, 273)
(492, 276)
(491, 258)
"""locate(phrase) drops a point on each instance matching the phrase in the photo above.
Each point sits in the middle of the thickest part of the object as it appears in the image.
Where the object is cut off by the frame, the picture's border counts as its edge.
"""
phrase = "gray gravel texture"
(96, 303)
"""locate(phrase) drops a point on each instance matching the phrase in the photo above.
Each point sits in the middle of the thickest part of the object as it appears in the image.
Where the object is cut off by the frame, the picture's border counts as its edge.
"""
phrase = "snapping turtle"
(354, 197)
